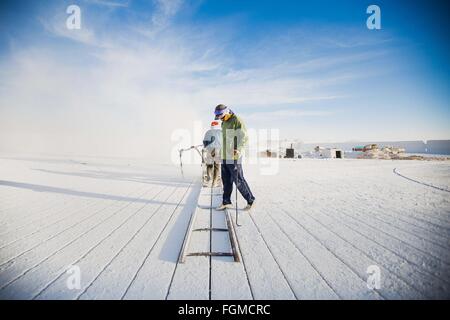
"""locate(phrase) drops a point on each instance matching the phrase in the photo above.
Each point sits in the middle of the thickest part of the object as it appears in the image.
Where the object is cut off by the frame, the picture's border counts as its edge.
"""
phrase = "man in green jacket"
(234, 139)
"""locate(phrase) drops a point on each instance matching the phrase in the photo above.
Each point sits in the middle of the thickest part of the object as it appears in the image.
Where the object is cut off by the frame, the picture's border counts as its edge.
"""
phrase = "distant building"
(409, 146)
(333, 153)
(289, 152)
(358, 148)
(330, 153)
(268, 154)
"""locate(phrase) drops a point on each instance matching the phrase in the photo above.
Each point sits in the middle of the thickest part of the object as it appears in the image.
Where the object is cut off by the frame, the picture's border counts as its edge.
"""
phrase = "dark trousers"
(228, 177)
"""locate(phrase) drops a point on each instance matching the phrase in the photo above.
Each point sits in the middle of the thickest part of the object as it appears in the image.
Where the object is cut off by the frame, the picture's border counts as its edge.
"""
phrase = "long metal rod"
(235, 158)
(210, 254)
(233, 239)
(210, 229)
(210, 226)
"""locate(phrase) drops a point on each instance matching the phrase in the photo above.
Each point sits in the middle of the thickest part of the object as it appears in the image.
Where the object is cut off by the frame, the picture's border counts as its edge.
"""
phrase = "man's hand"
(236, 153)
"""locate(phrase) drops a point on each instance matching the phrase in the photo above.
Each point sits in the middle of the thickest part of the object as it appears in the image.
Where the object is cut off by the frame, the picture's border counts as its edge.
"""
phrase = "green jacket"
(231, 128)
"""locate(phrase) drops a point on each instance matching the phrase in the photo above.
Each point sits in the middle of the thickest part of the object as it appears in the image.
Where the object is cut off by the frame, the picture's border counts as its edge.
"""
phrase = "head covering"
(215, 124)
(220, 110)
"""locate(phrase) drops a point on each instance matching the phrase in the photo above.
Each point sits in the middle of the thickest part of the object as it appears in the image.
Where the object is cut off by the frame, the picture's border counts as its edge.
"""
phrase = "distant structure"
(334, 153)
(384, 149)
(439, 147)
(289, 152)
(372, 151)
(330, 153)
(358, 148)
(268, 154)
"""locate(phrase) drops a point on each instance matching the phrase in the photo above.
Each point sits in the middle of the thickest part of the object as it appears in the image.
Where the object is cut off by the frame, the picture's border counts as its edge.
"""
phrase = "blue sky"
(138, 70)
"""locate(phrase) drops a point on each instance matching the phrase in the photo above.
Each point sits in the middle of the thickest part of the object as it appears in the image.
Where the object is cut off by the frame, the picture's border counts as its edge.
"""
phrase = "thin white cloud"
(290, 114)
(57, 27)
(165, 11)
